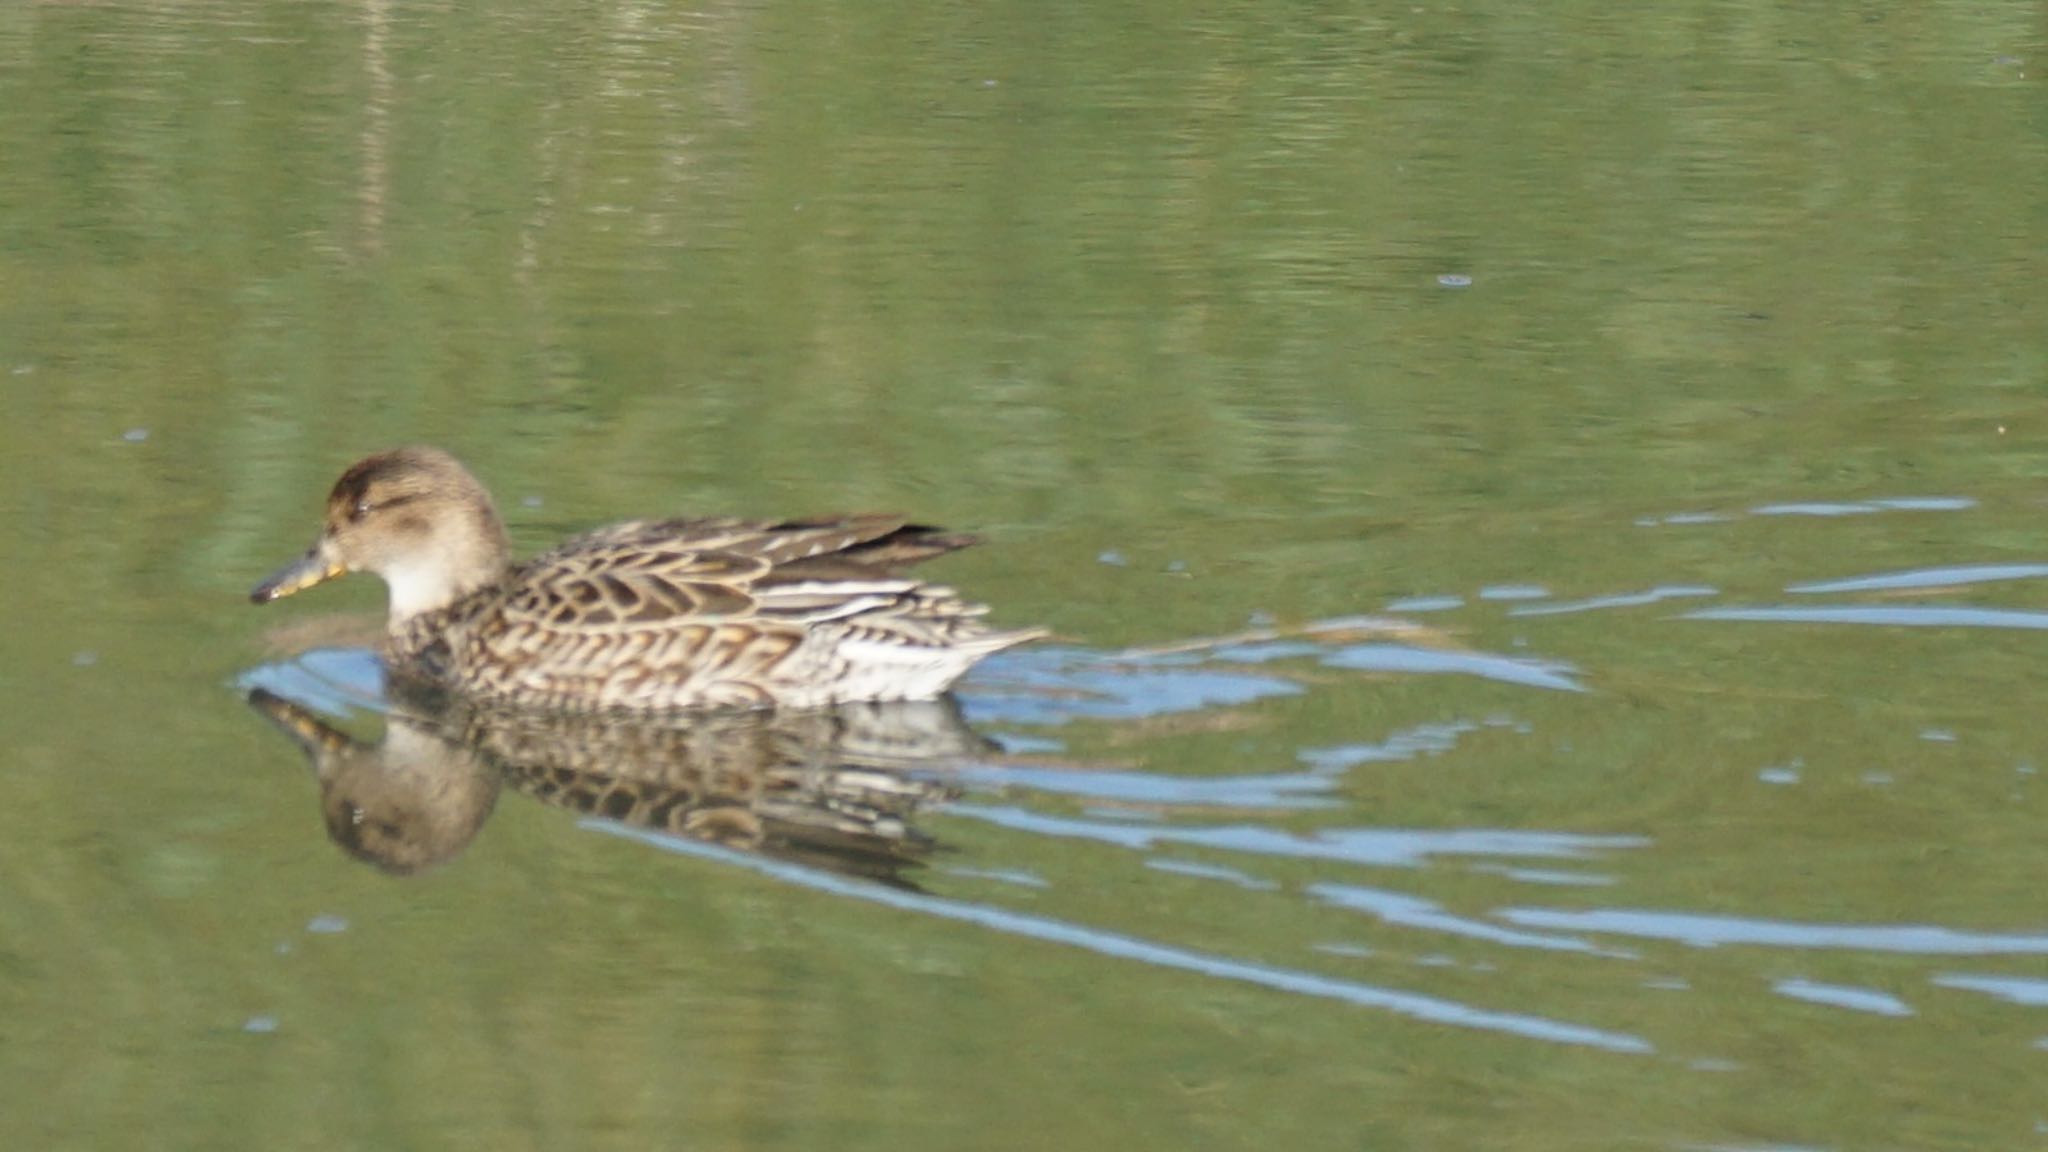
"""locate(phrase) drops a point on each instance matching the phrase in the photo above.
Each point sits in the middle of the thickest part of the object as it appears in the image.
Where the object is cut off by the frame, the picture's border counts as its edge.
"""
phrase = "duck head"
(414, 516)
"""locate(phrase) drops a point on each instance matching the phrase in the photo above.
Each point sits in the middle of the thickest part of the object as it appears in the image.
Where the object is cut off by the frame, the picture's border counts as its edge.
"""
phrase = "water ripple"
(1910, 578)
(1053, 685)
(1422, 740)
(1294, 790)
(1514, 592)
(1823, 508)
(1844, 996)
(1404, 910)
(1211, 872)
(2011, 989)
(1426, 604)
(1882, 615)
(1432, 1009)
(1857, 508)
(1703, 931)
(1551, 674)
(1619, 600)
(1550, 876)
(1383, 847)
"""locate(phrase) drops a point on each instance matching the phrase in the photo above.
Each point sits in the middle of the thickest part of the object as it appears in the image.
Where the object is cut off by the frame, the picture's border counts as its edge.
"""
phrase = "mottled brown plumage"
(645, 615)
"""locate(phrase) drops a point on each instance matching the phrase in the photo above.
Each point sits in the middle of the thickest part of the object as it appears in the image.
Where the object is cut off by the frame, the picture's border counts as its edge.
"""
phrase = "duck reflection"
(832, 788)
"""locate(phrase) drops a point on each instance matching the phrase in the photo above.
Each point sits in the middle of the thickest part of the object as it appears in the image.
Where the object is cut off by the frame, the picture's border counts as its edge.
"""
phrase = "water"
(1541, 513)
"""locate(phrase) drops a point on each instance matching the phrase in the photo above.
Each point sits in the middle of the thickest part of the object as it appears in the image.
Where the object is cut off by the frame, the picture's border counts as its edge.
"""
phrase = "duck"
(644, 615)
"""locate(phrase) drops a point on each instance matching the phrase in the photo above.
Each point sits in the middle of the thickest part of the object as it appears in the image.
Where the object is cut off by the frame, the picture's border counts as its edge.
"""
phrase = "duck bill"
(313, 568)
(313, 735)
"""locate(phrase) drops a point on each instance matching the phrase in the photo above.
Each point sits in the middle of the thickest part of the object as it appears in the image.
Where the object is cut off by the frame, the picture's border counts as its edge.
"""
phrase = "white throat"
(417, 588)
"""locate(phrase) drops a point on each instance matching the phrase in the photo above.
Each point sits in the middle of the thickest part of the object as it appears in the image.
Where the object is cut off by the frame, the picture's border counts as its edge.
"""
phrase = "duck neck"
(473, 559)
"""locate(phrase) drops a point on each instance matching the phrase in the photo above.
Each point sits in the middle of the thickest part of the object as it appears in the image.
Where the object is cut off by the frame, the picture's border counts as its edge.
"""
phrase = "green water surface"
(1217, 320)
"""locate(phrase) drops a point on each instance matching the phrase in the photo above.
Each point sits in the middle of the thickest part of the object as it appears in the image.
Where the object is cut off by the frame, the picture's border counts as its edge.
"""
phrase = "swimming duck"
(645, 615)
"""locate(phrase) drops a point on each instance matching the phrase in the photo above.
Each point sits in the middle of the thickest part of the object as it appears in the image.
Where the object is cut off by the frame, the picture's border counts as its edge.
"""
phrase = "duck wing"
(874, 540)
(664, 573)
(622, 586)
(690, 612)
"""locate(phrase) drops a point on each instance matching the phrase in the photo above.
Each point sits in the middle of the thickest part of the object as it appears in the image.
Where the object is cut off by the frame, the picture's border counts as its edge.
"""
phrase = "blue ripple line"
(1844, 996)
(1554, 675)
(1293, 790)
(1927, 503)
(1413, 1004)
(1620, 600)
(1704, 930)
(1924, 578)
(1426, 604)
(1406, 911)
(1886, 615)
(2011, 989)
(1388, 847)
(1814, 508)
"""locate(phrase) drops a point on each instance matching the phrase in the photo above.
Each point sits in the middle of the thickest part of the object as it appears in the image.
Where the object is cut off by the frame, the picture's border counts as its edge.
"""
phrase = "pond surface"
(1541, 513)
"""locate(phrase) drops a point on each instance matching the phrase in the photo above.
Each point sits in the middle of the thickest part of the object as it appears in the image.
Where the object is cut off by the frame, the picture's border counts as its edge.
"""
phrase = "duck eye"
(361, 509)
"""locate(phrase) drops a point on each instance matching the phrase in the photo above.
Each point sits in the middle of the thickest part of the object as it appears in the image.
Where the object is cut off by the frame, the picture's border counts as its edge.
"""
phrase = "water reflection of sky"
(1705, 931)
(1121, 946)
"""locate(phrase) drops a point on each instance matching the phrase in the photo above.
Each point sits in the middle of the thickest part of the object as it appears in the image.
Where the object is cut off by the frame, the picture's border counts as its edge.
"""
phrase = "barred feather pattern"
(655, 615)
